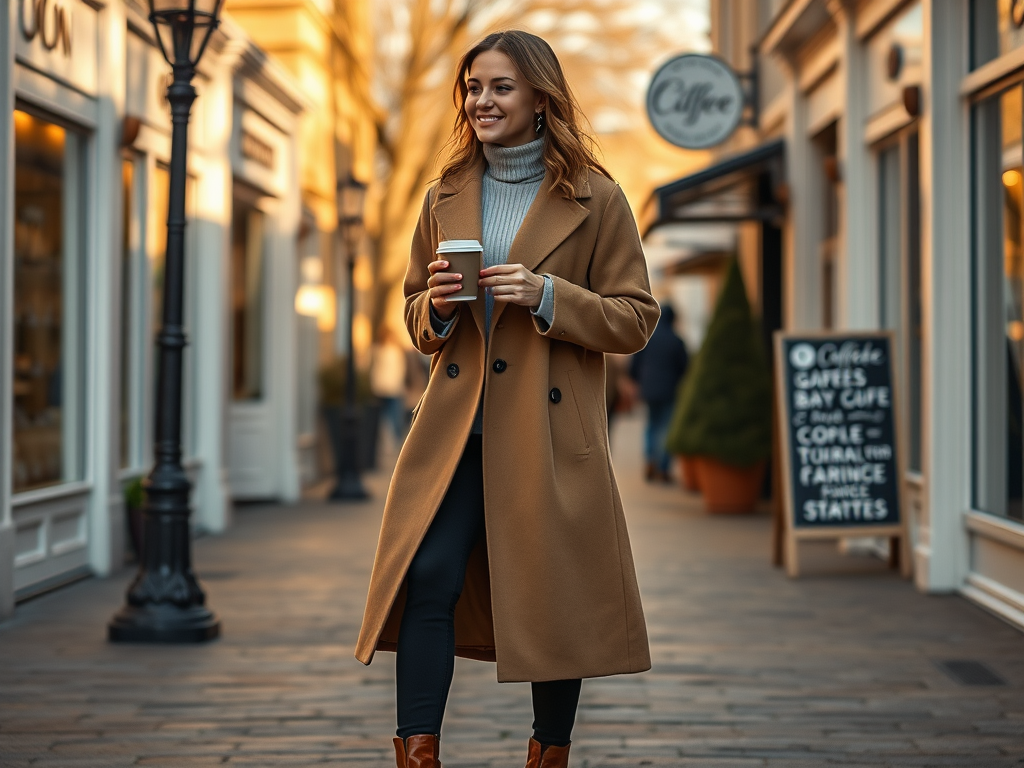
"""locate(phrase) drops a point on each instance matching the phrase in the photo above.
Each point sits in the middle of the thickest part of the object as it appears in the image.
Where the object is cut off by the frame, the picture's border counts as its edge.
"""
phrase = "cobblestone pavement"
(750, 668)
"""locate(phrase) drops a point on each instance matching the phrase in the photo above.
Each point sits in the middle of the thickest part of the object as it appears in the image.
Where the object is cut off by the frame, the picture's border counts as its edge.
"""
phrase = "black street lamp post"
(349, 485)
(165, 602)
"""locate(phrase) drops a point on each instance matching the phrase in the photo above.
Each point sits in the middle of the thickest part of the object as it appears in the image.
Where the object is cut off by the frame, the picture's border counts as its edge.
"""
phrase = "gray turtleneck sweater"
(510, 184)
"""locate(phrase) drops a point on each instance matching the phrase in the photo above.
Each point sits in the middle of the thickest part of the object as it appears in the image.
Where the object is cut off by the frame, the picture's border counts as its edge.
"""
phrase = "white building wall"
(857, 283)
(106, 517)
(114, 59)
(957, 548)
(803, 228)
(211, 492)
(941, 551)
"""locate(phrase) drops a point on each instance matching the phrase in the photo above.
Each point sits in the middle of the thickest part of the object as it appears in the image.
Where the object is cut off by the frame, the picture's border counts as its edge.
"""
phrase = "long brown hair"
(568, 149)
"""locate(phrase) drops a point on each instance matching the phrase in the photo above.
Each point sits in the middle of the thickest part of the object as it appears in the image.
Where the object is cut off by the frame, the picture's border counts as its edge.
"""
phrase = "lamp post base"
(163, 623)
(349, 488)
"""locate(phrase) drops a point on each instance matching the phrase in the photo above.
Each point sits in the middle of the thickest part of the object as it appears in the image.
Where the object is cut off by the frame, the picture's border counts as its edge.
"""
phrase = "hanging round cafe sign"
(695, 101)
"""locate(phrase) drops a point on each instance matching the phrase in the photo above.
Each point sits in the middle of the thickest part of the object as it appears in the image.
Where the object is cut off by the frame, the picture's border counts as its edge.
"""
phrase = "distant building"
(325, 47)
(882, 189)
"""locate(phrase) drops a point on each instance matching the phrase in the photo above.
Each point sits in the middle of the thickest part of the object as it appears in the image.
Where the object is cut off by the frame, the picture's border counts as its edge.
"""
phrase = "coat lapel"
(550, 220)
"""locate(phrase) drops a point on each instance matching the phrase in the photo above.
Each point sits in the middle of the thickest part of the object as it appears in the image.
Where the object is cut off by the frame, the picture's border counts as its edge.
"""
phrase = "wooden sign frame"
(786, 532)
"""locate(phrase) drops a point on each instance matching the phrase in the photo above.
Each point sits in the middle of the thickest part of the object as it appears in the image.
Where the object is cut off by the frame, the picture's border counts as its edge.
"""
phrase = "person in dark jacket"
(657, 369)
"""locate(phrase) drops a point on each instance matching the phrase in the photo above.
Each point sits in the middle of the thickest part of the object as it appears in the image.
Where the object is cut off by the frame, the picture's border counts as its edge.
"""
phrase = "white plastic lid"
(450, 246)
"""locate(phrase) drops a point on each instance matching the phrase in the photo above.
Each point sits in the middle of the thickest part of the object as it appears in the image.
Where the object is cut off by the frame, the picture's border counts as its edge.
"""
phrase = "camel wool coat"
(551, 593)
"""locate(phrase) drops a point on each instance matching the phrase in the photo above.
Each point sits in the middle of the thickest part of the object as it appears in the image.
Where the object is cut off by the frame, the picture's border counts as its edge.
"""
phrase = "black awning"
(739, 188)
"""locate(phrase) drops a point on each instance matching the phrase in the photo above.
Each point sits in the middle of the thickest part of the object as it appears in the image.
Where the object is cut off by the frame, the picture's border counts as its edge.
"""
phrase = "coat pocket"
(579, 403)
(416, 410)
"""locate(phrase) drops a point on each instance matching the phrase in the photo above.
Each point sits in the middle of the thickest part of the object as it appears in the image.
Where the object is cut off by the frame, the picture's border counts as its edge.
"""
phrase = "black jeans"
(426, 640)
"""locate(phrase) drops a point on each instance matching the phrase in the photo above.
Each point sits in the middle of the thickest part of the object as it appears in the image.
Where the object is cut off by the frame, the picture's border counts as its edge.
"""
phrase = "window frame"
(256, 202)
(990, 92)
(900, 323)
(76, 230)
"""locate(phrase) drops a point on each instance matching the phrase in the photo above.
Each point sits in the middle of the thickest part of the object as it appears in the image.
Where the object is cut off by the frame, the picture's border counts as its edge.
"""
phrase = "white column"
(104, 211)
(6, 306)
(941, 554)
(211, 496)
(802, 232)
(857, 259)
(283, 324)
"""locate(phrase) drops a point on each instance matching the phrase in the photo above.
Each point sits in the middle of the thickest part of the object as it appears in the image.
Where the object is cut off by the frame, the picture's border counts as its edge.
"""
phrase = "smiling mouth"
(488, 119)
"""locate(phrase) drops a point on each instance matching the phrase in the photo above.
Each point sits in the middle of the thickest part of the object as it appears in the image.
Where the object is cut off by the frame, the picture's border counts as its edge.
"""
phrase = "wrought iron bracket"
(751, 81)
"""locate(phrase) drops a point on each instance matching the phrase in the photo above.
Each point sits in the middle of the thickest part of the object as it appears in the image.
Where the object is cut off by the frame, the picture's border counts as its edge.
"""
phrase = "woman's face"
(501, 106)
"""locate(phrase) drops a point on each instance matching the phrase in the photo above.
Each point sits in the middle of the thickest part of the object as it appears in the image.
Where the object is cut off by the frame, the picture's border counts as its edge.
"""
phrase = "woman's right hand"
(441, 285)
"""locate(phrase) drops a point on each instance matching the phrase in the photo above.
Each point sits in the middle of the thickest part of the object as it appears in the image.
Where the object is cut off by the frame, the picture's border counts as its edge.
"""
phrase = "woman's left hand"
(513, 283)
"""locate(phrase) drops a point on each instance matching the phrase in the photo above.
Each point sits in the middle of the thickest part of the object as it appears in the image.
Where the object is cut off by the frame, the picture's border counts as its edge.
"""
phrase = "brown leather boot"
(420, 751)
(541, 756)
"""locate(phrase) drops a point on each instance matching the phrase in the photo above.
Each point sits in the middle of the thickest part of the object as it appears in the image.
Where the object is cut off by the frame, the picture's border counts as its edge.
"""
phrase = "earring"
(540, 122)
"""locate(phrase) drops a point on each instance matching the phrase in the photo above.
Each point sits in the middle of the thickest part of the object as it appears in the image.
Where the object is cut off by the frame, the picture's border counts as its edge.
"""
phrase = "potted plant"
(723, 413)
(688, 475)
(333, 398)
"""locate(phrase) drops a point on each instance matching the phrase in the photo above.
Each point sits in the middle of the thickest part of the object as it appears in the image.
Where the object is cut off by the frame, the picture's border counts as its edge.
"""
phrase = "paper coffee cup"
(465, 257)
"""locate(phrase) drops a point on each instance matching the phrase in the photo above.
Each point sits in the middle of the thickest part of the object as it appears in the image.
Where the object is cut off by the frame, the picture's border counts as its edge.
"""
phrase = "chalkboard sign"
(837, 417)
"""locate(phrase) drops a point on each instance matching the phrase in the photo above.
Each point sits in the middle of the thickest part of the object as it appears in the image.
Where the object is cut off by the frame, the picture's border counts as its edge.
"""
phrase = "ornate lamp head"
(183, 28)
(351, 193)
(351, 196)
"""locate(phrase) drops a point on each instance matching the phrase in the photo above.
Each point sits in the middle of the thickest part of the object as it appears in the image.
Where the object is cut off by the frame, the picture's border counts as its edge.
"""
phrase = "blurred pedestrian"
(550, 591)
(657, 369)
(388, 379)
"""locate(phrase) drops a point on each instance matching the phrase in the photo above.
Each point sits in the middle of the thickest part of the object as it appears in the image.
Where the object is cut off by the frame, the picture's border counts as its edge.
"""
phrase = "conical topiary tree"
(724, 405)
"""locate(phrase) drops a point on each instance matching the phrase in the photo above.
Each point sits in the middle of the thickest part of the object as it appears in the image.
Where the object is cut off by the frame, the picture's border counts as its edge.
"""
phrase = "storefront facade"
(337, 144)
(900, 208)
(83, 198)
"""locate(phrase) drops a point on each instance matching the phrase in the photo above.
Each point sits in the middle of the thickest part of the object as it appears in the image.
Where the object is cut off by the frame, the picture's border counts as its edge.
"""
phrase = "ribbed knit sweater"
(510, 184)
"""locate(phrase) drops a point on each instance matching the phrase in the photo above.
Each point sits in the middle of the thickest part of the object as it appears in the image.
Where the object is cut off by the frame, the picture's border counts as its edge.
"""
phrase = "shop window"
(997, 27)
(890, 219)
(998, 304)
(899, 269)
(48, 304)
(247, 299)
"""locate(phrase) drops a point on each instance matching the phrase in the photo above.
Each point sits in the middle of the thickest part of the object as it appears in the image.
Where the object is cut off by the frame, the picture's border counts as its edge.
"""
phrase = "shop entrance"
(732, 209)
(251, 444)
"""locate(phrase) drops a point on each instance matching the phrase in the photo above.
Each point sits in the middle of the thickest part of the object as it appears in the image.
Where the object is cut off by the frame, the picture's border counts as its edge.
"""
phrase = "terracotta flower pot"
(688, 473)
(729, 489)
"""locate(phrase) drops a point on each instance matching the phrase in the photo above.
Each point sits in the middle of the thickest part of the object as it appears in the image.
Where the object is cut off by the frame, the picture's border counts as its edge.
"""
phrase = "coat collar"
(550, 220)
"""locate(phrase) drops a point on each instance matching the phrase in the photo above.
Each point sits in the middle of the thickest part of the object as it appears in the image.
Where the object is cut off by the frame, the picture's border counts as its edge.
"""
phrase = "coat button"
(453, 371)
(555, 395)
(499, 365)
(426, 334)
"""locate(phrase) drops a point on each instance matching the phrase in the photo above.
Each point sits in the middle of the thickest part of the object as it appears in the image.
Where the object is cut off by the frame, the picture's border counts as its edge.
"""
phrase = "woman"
(503, 536)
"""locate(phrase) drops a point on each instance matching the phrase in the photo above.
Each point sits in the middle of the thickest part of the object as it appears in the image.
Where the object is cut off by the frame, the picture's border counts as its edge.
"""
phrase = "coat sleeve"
(417, 296)
(617, 313)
